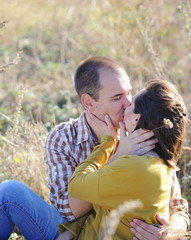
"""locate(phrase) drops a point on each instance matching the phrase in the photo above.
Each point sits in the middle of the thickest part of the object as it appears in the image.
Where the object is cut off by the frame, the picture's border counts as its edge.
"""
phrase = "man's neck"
(92, 130)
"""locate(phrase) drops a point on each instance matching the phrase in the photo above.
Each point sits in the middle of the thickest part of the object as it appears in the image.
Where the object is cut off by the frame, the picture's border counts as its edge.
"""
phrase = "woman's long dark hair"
(158, 102)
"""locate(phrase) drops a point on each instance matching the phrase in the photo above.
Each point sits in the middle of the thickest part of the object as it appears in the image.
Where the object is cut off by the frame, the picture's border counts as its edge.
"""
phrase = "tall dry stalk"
(186, 9)
(185, 161)
(157, 64)
(2, 24)
(15, 61)
(111, 222)
(187, 17)
(144, 24)
(22, 151)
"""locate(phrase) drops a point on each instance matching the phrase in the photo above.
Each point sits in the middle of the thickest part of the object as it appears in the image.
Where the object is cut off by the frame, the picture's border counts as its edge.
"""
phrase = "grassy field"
(41, 47)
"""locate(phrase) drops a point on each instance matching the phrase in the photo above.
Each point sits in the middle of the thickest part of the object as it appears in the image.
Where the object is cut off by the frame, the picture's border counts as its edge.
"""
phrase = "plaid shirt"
(70, 143)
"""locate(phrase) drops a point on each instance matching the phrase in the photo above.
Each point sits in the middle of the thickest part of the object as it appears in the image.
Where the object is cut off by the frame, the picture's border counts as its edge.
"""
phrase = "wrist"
(178, 222)
(171, 233)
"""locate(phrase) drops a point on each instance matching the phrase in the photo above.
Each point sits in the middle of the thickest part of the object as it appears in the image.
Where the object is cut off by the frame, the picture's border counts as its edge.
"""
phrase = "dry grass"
(22, 150)
(149, 38)
(111, 222)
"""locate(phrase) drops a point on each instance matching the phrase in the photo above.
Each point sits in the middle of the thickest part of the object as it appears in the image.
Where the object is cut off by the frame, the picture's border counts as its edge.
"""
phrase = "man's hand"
(145, 231)
(176, 230)
(100, 127)
(135, 143)
(66, 235)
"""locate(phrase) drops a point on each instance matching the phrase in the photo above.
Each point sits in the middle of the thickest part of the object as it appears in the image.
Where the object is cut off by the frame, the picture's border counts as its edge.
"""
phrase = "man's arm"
(60, 167)
(178, 206)
(178, 222)
(172, 230)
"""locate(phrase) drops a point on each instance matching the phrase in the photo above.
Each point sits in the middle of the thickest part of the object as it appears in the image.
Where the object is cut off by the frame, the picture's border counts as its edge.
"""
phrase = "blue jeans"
(20, 206)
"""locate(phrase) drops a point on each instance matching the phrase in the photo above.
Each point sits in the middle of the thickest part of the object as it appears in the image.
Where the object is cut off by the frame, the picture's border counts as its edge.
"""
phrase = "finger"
(149, 142)
(162, 220)
(144, 150)
(95, 118)
(141, 234)
(146, 146)
(108, 121)
(145, 230)
(90, 115)
(140, 132)
(144, 233)
(143, 137)
(92, 118)
(122, 129)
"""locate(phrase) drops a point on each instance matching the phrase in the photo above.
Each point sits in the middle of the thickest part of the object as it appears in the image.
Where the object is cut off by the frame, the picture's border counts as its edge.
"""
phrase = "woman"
(160, 108)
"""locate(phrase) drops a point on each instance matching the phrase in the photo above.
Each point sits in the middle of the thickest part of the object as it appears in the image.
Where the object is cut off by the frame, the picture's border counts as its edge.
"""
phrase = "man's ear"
(88, 102)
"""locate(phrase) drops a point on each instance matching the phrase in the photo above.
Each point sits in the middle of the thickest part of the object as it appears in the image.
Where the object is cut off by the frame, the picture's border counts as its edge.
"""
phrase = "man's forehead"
(118, 77)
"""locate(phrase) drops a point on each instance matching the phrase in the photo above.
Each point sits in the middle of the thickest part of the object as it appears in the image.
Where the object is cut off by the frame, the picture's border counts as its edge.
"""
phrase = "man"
(67, 145)
(104, 88)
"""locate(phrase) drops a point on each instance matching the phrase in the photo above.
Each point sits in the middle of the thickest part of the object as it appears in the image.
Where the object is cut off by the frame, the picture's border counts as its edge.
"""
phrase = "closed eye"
(116, 98)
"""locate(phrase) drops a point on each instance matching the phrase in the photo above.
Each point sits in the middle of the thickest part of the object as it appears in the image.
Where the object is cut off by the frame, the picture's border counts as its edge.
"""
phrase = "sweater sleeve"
(74, 227)
(129, 177)
(84, 183)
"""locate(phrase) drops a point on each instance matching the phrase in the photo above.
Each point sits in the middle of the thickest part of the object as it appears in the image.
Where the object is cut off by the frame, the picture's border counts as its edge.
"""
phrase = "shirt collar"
(84, 132)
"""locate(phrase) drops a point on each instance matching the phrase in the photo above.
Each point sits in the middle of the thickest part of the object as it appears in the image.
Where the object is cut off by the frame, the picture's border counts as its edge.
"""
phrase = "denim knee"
(10, 188)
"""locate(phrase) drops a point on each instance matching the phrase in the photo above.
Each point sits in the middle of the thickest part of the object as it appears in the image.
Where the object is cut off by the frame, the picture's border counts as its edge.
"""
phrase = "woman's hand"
(135, 143)
(101, 127)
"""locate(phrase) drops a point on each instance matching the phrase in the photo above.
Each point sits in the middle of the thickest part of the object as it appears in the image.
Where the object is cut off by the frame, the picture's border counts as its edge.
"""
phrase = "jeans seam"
(25, 212)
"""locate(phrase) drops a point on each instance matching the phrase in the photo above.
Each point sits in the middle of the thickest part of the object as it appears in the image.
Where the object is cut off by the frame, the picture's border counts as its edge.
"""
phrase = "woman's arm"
(78, 207)
(84, 183)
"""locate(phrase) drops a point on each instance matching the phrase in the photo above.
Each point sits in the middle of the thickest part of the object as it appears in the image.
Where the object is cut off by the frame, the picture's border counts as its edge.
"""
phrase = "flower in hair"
(167, 123)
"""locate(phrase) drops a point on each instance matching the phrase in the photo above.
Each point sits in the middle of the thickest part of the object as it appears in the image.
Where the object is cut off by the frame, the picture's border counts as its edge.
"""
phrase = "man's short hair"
(87, 75)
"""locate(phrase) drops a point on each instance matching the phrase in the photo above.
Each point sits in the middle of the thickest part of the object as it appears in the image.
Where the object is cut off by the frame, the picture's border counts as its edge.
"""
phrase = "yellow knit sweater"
(145, 178)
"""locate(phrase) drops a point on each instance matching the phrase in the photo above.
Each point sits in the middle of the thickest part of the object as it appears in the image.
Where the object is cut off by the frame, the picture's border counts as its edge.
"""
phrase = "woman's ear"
(88, 102)
(136, 119)
(138, 115)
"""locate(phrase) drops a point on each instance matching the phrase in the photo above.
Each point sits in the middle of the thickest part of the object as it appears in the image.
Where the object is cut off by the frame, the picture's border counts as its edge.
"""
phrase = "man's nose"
(127, 101)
